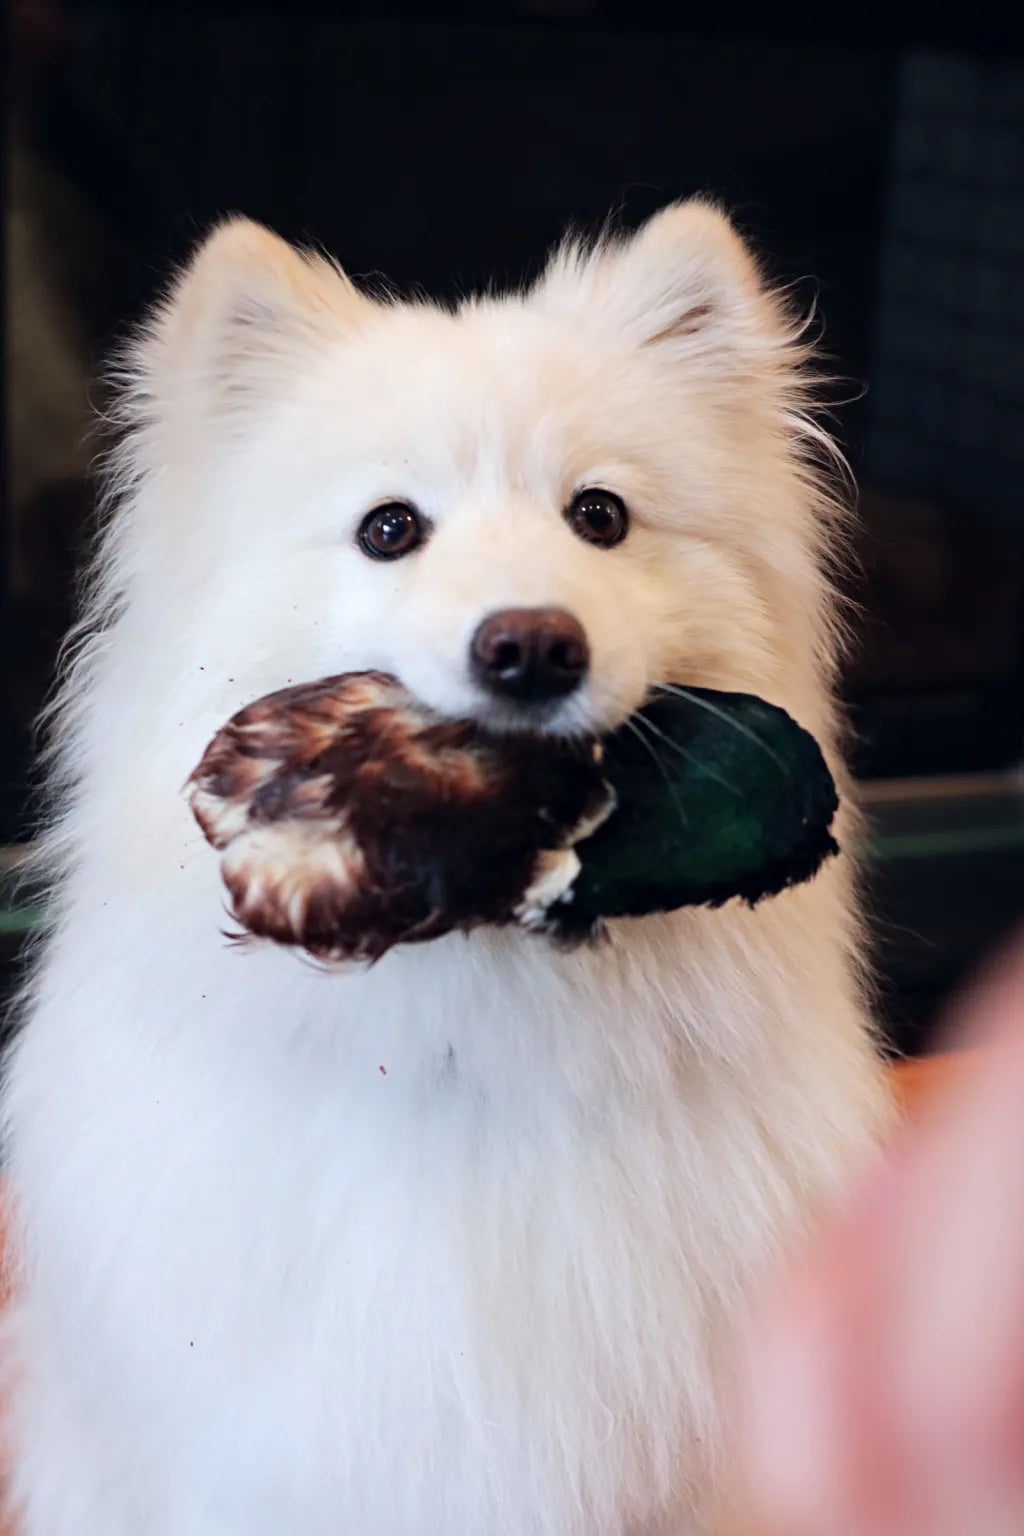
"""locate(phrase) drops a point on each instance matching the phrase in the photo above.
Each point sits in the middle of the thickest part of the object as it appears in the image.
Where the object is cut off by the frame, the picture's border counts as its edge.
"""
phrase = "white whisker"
(632, 724)
(690, 757)
(720, 714)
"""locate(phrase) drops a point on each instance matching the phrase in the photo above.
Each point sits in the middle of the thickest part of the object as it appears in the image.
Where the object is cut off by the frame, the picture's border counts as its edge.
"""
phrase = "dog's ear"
(685, 281)
(247, 311)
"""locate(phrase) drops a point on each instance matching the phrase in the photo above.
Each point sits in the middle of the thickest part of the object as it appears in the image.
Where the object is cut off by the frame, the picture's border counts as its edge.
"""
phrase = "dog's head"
(531, 509)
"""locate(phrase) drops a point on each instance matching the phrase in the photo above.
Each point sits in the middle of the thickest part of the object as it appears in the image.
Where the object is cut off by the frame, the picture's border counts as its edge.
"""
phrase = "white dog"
(457, 1245)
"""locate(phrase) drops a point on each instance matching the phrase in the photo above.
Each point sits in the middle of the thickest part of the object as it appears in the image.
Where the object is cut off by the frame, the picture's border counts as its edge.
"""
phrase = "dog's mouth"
(591, 711)
(595, 709)
(559, 718)
(570, 720)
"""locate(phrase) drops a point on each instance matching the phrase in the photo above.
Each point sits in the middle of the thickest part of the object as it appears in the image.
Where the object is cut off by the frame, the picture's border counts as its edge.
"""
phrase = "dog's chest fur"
(455, 1244)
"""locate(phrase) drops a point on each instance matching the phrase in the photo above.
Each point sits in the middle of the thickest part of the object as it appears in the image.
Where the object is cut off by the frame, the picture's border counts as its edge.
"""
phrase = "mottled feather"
(350, 819)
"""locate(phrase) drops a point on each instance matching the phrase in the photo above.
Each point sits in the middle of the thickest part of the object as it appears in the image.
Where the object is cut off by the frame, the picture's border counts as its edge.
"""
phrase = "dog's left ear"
(684, 281)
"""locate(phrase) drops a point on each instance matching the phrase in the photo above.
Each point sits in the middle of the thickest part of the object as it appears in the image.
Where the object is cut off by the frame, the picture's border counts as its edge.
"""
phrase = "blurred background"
(875, 153)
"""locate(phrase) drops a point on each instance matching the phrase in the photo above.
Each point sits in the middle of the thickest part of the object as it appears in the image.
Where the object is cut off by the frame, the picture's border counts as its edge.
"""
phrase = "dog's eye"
(390, 531)
(598, 516)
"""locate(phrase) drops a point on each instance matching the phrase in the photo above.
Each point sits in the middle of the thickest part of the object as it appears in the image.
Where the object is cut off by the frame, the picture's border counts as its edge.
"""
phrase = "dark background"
(875, 155)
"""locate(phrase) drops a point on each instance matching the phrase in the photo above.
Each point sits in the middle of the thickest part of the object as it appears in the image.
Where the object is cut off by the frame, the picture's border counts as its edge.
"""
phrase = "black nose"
(530, 654)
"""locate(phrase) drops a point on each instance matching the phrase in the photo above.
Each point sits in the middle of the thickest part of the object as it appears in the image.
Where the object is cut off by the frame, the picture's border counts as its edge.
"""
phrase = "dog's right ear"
(247, 312)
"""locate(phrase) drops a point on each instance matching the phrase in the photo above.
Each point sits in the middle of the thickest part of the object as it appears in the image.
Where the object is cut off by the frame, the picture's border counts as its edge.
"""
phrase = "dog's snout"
(530, 654)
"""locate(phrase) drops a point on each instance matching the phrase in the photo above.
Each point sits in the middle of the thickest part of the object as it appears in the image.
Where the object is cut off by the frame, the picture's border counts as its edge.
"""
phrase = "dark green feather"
(719, 795)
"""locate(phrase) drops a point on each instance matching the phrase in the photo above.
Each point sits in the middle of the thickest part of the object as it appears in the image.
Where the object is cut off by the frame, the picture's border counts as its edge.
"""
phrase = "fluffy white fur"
(458, 1244)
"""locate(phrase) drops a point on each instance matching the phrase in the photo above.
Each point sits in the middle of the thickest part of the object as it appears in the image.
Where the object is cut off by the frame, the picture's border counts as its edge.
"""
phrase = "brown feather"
(351, 819)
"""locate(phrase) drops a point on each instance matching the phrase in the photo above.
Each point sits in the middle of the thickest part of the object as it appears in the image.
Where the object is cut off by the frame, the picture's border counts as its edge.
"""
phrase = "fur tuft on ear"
(685, 280)
(245, 308)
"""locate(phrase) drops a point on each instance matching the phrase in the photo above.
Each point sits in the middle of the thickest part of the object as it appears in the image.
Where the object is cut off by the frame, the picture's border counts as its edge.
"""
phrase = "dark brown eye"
(391, 531)
(598, 516)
